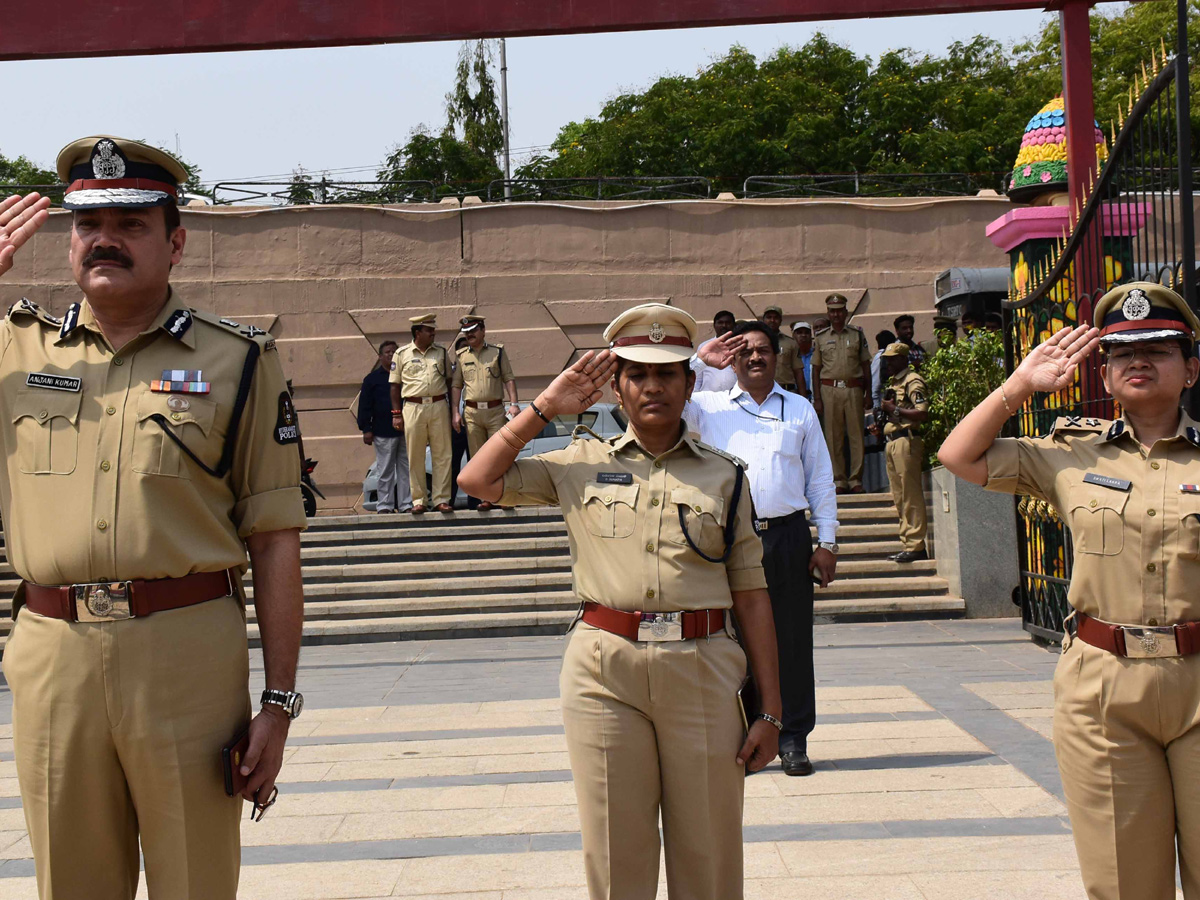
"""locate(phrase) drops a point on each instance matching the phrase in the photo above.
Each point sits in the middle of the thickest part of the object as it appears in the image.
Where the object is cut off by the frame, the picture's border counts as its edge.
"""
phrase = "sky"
(262, 114)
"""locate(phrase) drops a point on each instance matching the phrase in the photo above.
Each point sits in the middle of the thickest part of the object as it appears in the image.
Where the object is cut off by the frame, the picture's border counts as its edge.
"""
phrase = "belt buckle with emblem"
(102, 601)
(661, 627)
(1147, 642)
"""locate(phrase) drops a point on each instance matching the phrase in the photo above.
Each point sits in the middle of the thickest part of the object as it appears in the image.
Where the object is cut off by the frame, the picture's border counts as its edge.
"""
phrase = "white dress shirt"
(710, 379)
(782, 445)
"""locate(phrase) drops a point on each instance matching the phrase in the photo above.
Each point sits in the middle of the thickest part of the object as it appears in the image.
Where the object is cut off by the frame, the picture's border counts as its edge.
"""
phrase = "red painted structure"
(74, 28)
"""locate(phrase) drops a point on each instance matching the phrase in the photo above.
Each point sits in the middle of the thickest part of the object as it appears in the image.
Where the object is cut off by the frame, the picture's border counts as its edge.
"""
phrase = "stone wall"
(332, 282)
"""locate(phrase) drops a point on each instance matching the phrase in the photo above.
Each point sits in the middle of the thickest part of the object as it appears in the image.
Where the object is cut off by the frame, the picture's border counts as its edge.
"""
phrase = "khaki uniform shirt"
(420, 374)
(93, 490)
(621, 507)
(910, 394)
(841, 355)
(787, 363)
(1135, 523)
(481, 376)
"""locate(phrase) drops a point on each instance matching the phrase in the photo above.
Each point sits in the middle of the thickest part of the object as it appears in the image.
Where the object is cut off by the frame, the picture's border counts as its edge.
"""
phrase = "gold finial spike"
(1112, 131)
(1162, 43)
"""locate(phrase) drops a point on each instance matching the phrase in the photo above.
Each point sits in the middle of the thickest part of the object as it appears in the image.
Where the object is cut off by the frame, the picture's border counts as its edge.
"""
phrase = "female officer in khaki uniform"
(661, 532)
(1127, 687)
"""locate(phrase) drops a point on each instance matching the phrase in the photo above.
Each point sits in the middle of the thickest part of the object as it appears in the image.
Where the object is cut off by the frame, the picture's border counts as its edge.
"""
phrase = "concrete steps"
(508, 572)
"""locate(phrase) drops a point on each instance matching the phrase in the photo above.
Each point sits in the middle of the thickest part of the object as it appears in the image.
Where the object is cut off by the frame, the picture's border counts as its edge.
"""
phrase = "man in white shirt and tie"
(777, 434)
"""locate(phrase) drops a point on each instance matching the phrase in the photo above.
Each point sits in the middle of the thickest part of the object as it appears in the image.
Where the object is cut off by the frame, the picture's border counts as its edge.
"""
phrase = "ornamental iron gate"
(1137, 224)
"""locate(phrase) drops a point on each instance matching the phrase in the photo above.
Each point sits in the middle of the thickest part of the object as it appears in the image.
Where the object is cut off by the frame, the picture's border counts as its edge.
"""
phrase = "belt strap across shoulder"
(108, 601)
(644, 626)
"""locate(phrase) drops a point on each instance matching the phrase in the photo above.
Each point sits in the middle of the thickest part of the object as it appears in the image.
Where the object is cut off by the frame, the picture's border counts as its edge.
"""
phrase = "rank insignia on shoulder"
(181, 381)
(178, 322)
(252, 331)
(1116, 484)
(614, 477)
(1193, 436)
(230, 323)
(1077, 425)
(269, 345)
(1189, 489)
(287, 426)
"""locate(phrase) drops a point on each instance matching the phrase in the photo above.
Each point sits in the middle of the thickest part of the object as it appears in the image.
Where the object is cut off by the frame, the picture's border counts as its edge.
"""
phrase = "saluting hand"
(1051, 365)
(20, 218)
(579, 386)
(719, 353)
(761, 746)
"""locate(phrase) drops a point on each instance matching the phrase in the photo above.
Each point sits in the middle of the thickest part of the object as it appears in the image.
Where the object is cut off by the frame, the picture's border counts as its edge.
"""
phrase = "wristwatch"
(291, 701)
(831, 546)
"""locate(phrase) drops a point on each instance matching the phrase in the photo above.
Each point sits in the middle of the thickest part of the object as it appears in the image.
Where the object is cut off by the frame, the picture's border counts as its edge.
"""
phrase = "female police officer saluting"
(1127, 687)
(661, 533)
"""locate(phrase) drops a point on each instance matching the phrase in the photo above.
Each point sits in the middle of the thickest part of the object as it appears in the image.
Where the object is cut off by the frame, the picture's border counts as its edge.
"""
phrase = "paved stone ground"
(439, 770)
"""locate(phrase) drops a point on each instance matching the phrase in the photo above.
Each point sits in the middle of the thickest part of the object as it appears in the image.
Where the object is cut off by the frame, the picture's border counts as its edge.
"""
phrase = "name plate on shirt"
(53, 382)
(1117, 484)
(615, 477)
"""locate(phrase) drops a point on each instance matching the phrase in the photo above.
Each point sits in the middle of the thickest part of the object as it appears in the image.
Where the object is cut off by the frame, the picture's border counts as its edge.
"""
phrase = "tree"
(300, 190)
(471, 106)
(22, 171)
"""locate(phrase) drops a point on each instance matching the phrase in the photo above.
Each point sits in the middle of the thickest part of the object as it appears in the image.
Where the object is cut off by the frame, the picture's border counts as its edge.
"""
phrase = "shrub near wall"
(958, 376)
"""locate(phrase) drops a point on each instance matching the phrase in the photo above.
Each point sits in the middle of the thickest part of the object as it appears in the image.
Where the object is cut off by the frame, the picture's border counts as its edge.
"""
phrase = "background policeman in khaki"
(649, 700)
(481, 378)
(841, 368)
(789, 369)
(1127, 686)
(905, 410)
(118, 722)
(420, 405)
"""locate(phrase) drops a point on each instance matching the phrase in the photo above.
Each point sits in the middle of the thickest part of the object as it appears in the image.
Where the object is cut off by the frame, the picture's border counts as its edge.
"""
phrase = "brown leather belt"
(842, 383)
(1139, 641)
(109, 601)
(486, 404)
(434, 399)
(644, 626)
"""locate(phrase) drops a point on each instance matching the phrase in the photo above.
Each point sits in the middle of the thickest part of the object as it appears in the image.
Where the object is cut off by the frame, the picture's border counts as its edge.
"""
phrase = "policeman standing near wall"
(1127, 685)
(841, 365)
(421, 406)
(789, 370)
(482, 377)
(904, 408)
(148, 445)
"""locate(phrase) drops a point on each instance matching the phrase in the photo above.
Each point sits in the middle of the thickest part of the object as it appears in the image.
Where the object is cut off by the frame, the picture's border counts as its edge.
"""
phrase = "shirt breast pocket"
(47, 431)
(156, 454)
(1098, 520)
(700, 516)
(1189, 535)
(610, 510)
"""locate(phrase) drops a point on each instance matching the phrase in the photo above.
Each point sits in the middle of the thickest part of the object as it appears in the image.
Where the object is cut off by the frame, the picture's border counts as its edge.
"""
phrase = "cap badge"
(657, 333)
(1136, 306)
(106, 161)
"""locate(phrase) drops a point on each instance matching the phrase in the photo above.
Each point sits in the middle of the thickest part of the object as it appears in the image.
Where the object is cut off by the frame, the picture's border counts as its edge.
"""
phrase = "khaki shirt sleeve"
(744, 566)
(918, 395)
(456, 381)
(397, 365)
(1024, 466)
(533, 481)
(265, 473)
(506, 371)
(816, 354)
(864, 352)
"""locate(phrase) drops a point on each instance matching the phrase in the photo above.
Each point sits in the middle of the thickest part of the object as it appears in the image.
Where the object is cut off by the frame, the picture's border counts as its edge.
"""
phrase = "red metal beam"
(73, 28)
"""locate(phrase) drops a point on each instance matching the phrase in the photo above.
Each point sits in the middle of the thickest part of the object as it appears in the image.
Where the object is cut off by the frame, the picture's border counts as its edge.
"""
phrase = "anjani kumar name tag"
(54, 382)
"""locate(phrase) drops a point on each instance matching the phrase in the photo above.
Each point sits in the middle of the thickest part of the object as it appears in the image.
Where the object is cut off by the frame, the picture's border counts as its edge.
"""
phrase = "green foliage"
(22, 171)
(471, 106)
(300, 189)
(958, 377)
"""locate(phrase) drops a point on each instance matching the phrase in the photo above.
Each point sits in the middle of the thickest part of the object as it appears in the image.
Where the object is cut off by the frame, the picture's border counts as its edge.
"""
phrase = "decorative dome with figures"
(1042, 163)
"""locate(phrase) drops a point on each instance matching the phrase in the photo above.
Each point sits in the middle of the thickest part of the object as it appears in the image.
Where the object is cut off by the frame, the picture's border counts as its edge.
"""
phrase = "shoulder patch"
(1076, 425)
(287, 426)
(1193, 436)
(27, 307)
(737, 461)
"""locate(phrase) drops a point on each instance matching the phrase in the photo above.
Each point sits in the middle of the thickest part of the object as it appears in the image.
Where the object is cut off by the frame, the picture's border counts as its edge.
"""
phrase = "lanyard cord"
(782, 410)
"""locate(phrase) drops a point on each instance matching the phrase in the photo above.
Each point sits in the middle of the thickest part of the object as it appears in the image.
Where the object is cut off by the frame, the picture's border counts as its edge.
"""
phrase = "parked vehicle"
(308, 487)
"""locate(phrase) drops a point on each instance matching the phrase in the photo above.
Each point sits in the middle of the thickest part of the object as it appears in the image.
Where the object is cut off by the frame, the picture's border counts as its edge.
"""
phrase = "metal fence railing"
(868, 184)
(603, 187)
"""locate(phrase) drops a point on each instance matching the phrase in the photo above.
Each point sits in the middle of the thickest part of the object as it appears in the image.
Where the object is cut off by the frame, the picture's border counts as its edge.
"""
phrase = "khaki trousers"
(904, 457)
(428, 425)
(1127, 739)
(117, 731)
(481, 424)
(844, 421)
(654, 727)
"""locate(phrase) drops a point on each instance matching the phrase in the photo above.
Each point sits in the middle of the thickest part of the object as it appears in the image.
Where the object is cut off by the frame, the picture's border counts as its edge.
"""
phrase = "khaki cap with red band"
(652, 333)
(103, 171)
(1144, 311)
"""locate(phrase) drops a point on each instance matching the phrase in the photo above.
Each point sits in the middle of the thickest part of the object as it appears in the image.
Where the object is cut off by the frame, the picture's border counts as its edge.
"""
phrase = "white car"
(606, 419)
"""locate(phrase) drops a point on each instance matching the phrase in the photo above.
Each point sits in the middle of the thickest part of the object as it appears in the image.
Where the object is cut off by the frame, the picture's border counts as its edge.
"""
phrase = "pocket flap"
(44, 405)
(1189, 505)
(698, 502)
(608, 494)
(200, 412)
(1093, 499)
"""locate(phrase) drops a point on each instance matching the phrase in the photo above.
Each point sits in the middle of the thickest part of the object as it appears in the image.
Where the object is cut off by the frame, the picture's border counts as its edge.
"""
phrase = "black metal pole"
(1183, 116)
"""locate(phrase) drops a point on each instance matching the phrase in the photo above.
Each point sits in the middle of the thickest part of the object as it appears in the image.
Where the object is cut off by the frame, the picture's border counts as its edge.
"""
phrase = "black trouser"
(787, 549)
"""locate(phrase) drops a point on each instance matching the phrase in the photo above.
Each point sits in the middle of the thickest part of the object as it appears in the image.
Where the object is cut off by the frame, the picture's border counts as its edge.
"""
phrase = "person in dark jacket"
(375, 422)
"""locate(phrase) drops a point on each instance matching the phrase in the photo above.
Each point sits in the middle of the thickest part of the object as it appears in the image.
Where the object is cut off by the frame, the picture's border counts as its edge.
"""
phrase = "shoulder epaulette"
(737, 461)
(247, 332)
(1074, 425)
(26, 307)
(461, 350)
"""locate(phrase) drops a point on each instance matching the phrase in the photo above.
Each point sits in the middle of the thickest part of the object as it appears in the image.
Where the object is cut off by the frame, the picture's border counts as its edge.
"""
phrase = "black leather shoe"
(796, 763)
(907, 556)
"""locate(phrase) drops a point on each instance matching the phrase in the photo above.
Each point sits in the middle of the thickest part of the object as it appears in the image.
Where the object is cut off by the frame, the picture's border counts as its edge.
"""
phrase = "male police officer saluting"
(146, 446)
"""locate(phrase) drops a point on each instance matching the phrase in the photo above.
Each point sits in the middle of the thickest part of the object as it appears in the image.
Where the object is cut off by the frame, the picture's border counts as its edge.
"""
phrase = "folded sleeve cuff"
(754, 579)
(1003, 465)
(275, 510)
